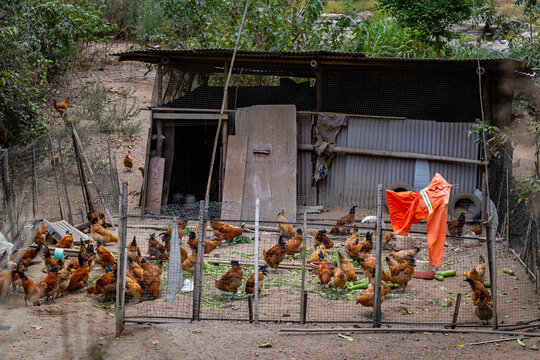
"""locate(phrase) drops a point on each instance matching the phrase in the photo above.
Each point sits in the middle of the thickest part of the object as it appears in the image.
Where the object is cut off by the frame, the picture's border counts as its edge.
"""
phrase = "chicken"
(339, 279)
(367, 298)
(134, 253)
(286, 230)
(156, 249)
(49, 285)
(352, 240)
(31, 290)
(323, 272)
(401, 274)
(404, 256)
(320, 237)
(66, 242)
(315, 255)
(151, 278)
(366, 245)
(354, 248)
(368, 265)
(183, 254)
(133, 288)
(294, 245)
(455, 228)
(478, 273)
(49, 260)
(477, 230)
(63, 280)
(232, 279)
(16, 280)
(89, 254)
(346, 267)
(484, 308)
(128, 161)
(103, 256)
(61, 107)
(26, 256)
(98, 232)
(98, 217)
(276, 254)
(105, 285)
(209, 245)
(477, 289)
(136, 270)
(250, 284)
(345, 220)
(225, 232)
(41, 235)
(190, 262)
(386, 239)
(79, 278)
(181, 226)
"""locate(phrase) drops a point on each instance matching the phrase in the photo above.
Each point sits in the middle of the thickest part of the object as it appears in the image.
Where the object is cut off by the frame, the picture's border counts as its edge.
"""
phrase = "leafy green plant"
(525, 190)
(495, 140)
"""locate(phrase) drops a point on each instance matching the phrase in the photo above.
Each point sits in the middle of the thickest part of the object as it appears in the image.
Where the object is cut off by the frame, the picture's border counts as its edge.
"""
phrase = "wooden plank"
(156, 171)
(186, 116)
(233, 184)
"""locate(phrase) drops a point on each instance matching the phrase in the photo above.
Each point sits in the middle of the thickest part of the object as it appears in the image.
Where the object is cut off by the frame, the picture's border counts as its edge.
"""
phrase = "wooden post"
(121, 265)
(456, 311)
(378, 265)
(491, 244)
(159, 80)
(199, 267)
(35, 190)
(250, 305)
(64, 181)
(84, 180)
(56, 178)
(256, 268)
(303, 292)
(9, 199)
(507, 209)
(144, 186)
(159, 142)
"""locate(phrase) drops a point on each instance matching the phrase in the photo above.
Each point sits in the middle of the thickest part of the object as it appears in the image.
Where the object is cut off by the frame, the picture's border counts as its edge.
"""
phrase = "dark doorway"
(192, 155)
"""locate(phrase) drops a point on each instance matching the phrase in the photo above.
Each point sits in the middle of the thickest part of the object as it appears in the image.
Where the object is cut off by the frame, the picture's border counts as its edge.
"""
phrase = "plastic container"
(58, 253)
(190, 199)
(423, 270)
(178, 198)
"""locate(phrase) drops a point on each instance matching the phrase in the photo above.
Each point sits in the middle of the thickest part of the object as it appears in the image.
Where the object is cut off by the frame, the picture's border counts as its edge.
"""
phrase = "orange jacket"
(407, 208)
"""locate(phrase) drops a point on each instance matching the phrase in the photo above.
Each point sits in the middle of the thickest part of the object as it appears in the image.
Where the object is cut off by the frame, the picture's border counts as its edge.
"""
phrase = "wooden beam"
(353, 115)
(187, 116)
(392, 154)
(406, 330)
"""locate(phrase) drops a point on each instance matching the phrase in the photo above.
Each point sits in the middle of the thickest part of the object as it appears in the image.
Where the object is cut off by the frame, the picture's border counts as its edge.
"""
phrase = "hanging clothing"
(408, 207)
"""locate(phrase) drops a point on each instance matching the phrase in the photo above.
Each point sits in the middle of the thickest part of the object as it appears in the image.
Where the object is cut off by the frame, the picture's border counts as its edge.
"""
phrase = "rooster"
(455, 228)
(209, 245)
(61, 107)
(225, 232)
(345, 220)
(128, 161)
(231, 280)
(285, 230)
(320, 237)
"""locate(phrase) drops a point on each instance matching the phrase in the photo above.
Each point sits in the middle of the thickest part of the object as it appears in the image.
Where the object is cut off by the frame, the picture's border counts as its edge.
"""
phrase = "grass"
(339, 6)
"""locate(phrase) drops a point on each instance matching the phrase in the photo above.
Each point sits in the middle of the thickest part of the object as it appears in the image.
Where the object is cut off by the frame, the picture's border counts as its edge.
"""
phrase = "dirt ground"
(79, 327)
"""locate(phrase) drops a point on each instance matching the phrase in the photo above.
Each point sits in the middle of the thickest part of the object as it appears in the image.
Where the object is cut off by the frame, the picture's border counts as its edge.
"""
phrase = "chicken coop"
(309, 125)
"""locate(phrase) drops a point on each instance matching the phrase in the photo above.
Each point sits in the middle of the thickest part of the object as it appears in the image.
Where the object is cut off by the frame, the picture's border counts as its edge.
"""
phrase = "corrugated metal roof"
(155, 55)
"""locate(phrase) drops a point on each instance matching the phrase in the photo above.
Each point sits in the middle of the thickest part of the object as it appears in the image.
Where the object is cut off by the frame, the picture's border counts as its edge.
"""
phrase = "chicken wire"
(426, 302)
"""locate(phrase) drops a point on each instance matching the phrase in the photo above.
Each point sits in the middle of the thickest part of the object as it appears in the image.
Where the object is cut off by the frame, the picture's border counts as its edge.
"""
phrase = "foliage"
(429, 20)
(338, 6)
(37, 40)
(134, 18)
(495, 140)
(524, 190)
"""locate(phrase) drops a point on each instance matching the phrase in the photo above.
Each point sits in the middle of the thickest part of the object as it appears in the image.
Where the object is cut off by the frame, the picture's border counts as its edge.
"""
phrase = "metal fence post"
(199, 266)
(303, 286)
(256, 269)
(121, 264)
(378, 265)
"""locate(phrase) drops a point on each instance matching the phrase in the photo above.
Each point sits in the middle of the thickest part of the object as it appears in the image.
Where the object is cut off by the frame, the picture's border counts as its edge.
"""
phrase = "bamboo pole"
(122, 264)
(84, 181)
(406, 330)
(303, 284)
(64, 181)
(199, 266)
(56, 178)
(378, 266)
(256, 267)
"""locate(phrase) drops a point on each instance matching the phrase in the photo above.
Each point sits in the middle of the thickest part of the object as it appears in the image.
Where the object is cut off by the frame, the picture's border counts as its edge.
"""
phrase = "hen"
(294, 245)
(231, 280)
(478, 273)
(134, 253)
(320, 237)
(286, 230)
(323, 272)
(225, 232)
(49, 260)
(105, 285)
(484, 308)
(128, 161)
(404, 256)
(99, 233)
(276, 254)
(401, 274)
(367, 298)
(339, 279)
(250, 284)
(151, 278)
(133, 288)
(345, 220)
(157, 250)
(63, 280)
(103, 256)
(190, 262)
(66, 242)
(31, 290)
(26, 256)
(346, 267)
(455, 228)
(61, 107)
(315, 255)
(48, 286)
(41, 234)
(79, 278)
(477, 289)
(136, 270)
(368, 265)
(209, 245)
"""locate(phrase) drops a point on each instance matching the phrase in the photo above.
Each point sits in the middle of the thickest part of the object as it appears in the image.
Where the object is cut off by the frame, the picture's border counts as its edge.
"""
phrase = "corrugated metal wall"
(354, 179)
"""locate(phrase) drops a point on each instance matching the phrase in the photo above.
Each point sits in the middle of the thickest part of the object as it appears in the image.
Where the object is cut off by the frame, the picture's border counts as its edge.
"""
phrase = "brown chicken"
(79, 278)
(98, 217)
(190, 262)
(31, 290)
(134, 253)
(105, 285)
(26, 256)
(209, 245)
(368, 265)
(151, 278)
(345, 220)
(367, 298)
(400, 274)
(478, 273)
(41, 235)
(276, 254)
(49, 260)
(225, 232)
(347, 268)
(455, 228)
(323, 272)
(181, 226)
(353, 239)
(63, 280)
(404, 256)
(66, 242)
(338, 279)
(128, 161)
(157, 250)
(366, 245)
(320, 237)
(99, 233)
(61, 107)
(231, 280)
(133, 288)
(386, 239)
(103, 256)
(315, 255)
(286, 230)
(136, 270)
(250, 284)
(49, 285)
(89, 253)
(477, 230)
(484, 308)
(477, 289)
(295, 244)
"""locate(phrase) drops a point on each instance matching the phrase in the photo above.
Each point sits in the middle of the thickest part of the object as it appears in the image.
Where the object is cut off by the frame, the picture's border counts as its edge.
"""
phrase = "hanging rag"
(326, 131)
(431, 203)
